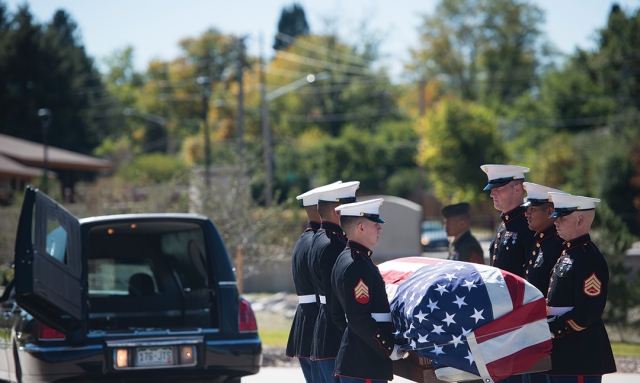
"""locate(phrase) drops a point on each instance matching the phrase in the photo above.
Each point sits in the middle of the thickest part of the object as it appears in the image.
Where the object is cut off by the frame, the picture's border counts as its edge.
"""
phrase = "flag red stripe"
(516, 288)
(394, 277)
(528, 313)
(519, 361)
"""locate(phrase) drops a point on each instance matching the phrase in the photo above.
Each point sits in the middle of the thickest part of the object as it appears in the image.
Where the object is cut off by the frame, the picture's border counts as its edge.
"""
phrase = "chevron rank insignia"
(361, 292)
(592, 286)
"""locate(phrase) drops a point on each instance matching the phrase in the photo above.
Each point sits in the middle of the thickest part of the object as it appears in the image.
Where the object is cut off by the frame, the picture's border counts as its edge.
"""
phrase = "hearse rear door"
(48, 263)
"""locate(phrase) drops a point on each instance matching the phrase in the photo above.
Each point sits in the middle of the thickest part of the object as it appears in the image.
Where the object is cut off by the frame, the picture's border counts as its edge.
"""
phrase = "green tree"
(168, 101)
(456, 138)
(613, 239)
(587, 108)
(153, 168)
(46, 66)
(293, 23)
(383, 160)
(483, 49)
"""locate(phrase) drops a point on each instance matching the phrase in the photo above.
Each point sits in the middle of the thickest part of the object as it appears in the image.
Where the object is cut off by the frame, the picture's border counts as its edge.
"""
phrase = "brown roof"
(12, 169)
(32, 154)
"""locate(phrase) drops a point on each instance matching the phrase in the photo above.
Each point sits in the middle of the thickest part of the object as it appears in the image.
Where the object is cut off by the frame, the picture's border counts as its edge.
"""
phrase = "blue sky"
(154, 27)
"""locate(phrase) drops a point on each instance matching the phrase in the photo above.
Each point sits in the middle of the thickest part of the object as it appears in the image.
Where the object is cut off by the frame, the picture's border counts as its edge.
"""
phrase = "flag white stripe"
(451, 374)
(478, 357)
(514, 341)
(391, 291)
(400, 266)
(531, 293)
(497, 289)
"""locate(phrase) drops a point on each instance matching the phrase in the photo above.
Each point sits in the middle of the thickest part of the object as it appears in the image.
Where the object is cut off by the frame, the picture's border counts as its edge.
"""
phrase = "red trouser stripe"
(580, 378)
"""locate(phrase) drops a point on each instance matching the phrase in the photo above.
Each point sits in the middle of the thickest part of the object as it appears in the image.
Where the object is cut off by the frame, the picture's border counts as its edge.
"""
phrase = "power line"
(106, 113)
(320, 49)
(108, 100)
(324, 64)
(285, 72)
(349, 116)
(568, 122)
(334, 88)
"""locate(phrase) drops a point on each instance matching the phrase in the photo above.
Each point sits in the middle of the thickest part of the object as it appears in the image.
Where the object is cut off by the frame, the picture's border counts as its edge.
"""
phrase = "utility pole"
(422, 96)
(266, 134)
(167, 128)
(239, 72)
(46, 116)
(205, 82)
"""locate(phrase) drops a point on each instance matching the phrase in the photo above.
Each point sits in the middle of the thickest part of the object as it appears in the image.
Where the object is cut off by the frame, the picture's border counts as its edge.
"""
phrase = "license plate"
(154, 356)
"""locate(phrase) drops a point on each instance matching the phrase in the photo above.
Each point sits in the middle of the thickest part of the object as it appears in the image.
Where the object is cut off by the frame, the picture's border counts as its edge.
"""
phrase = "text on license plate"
(154, 356)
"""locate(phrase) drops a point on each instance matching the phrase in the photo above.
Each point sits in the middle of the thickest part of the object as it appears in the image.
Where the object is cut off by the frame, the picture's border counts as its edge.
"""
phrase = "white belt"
(302, 299)
(559, 310)
(381, 317)
(323, 299)
(378, 317)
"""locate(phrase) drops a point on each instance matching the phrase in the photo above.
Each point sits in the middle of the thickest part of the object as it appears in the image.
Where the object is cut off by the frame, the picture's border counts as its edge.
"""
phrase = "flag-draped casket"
(469, 320)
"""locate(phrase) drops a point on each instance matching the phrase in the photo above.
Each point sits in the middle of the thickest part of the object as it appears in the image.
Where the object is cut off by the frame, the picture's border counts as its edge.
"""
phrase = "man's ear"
(337, 214)
(549, 210)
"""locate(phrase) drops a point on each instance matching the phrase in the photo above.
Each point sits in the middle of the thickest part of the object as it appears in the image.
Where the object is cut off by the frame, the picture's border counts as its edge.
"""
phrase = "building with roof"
(22, 160)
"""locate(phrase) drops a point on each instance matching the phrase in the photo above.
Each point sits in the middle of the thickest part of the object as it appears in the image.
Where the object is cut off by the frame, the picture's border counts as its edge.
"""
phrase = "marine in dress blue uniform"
(546, 248)
(510, 246)
(328, 243)
(513, 239)
(547, 244)
(465, 247)
(577, 296)
(299, 342)
(367, 347)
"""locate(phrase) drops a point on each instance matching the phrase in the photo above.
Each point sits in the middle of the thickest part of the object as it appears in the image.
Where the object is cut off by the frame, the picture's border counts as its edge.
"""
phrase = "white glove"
(398, 353)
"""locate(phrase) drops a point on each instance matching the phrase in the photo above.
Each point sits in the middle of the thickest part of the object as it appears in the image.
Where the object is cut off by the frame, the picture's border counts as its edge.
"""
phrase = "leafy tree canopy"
(456, 138)
(293, 23)
(46, 66)
(484, 50)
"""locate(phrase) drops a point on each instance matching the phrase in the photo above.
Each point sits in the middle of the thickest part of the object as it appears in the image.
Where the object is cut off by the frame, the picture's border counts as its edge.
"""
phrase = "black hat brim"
(500, 182)
(535, 202)
(376, 219)
(557, 214)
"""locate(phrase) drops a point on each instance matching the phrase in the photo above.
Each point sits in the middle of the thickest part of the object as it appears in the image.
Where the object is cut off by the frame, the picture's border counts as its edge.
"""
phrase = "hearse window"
(109, 276)
(56, 241)
(187, 251)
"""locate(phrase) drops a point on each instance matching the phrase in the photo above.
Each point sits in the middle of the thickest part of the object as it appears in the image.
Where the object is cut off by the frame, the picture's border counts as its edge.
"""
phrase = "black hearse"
(139, 297)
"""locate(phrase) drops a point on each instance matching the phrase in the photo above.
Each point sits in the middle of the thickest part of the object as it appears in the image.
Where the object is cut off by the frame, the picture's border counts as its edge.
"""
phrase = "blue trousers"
(325, 368)
(535, 377)
(574, 379)
(356, 380)
(512, 379)
(309, 370)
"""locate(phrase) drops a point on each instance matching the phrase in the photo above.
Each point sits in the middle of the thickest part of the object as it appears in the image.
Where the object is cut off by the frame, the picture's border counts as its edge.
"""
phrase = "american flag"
(470, 320)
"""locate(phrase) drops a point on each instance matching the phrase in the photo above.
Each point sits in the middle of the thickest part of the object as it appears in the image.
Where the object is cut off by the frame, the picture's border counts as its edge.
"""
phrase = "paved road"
(294, 375)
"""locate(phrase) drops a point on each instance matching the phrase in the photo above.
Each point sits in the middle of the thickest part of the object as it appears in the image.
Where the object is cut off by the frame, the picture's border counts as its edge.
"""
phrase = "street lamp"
(46, 117)
(205, 82)
(266, 134)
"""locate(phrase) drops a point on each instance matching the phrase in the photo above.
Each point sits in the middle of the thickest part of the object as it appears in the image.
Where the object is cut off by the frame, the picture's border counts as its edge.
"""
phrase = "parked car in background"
(433, 236)
(139, 297)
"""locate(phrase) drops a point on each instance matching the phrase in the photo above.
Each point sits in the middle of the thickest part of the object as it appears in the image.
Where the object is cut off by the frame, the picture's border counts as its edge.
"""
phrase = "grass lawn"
(274, 338)
(273, 328)
(626, 349)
